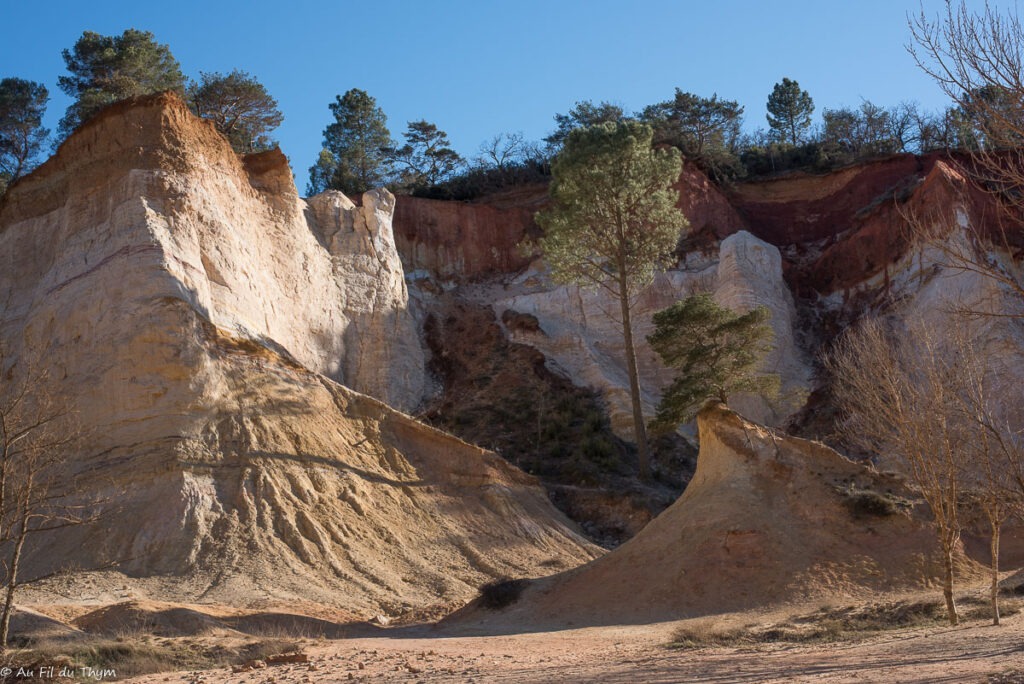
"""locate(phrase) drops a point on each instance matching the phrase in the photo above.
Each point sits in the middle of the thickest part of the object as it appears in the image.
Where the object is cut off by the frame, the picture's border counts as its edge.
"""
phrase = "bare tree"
(977, 60)
(504, 150)
(994, 469)
(38, 491)
(896, 391)
(983, 247)
(995, 456)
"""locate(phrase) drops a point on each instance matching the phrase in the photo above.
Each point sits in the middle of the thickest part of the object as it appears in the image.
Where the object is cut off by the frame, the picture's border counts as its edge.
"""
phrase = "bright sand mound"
(767, 519)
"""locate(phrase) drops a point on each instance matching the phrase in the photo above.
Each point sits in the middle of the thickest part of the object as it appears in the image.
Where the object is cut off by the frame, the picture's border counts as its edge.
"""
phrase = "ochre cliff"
(802, 208)
(482, 239)
(466, 240)
(221, 338)
(840, 229)
(819, 251)
(710, 213)
(198, 317)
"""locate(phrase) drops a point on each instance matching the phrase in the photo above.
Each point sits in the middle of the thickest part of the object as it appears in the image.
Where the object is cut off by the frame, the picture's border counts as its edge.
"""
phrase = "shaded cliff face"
(461, 240)
(199, 316)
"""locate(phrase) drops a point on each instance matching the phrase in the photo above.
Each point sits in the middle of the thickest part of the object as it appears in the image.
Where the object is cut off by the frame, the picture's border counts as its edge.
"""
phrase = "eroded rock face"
(705, 206)
(801, 208)
(928, 288)
(578, 329)
(766, 519)
(383, 356)
(196, 314)
(750, 276)
(464, 241)
(482, 239)
(187, 220)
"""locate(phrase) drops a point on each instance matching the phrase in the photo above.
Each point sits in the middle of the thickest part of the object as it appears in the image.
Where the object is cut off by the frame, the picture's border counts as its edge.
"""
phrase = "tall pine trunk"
(639, 428)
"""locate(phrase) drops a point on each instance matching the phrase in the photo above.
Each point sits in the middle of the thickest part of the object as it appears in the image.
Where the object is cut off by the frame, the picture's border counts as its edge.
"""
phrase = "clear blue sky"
(477, 68)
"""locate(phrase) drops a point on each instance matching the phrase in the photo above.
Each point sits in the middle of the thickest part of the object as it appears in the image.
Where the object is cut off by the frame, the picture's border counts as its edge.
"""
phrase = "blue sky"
(477, 68)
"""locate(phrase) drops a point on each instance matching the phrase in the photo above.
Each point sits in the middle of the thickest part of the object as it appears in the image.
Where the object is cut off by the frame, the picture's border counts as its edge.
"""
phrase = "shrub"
(502, 594)
(703, 633)
(867, 503)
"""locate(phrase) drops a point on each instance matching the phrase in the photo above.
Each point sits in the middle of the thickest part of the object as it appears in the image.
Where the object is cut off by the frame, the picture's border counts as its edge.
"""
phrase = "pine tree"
(356, 146)
(789, 111)
(582, 115)
(239, 106)
(108, 69)
(22, 105)
(715, 351)
(427, 158)
(613, 221)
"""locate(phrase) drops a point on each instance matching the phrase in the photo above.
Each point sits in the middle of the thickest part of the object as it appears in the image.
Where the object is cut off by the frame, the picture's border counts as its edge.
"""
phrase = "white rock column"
(749, 276)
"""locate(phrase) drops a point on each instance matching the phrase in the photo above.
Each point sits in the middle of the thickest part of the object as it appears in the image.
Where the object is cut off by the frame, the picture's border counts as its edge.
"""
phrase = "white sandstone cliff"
(383, 356)
(750, 276)
(580, 335)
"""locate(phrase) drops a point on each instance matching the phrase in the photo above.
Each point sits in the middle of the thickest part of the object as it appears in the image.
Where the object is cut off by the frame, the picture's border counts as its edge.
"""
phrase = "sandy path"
(637, 654)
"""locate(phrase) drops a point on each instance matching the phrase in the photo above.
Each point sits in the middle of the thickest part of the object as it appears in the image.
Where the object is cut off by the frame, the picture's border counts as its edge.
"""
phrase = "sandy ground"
(976, 652)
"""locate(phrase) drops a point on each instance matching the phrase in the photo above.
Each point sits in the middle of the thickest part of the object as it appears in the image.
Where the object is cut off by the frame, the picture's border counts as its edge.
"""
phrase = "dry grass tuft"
(704, 633)
(140, 655)
(835, 624)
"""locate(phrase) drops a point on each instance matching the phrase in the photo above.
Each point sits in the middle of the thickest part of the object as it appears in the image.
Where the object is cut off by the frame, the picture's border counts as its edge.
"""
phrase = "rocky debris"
(289, 658)
(500, 394)
(519, 322)
(191, 309)
(766, 519)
